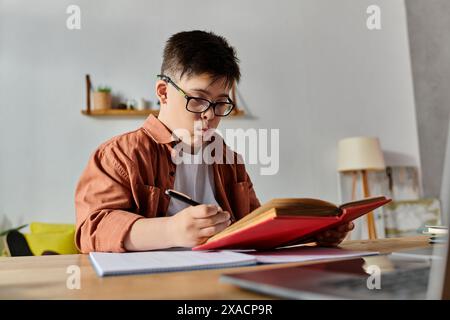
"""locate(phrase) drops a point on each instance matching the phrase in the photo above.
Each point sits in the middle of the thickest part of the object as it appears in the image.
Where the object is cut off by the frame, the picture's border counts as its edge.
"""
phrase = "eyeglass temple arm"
(168, 80)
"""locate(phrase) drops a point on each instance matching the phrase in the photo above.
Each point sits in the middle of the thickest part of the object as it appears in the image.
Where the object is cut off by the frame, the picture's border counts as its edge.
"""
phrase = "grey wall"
(429, 27)
(310, 68)
(445, 187)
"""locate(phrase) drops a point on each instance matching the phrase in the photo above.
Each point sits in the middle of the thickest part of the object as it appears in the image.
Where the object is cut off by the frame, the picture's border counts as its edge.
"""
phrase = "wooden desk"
(45, 277)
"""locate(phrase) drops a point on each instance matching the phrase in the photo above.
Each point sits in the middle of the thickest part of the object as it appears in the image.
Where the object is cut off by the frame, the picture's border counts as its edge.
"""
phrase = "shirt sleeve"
(103, 200)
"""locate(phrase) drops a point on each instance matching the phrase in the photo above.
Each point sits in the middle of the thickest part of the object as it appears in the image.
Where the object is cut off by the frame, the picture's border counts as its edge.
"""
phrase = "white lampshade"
(360, 153)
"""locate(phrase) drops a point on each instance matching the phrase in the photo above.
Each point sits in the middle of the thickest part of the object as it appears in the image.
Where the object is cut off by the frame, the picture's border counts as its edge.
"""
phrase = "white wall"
(310, 68)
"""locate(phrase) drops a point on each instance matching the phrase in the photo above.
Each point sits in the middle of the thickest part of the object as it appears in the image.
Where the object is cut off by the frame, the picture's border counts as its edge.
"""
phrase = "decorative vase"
(102, 100)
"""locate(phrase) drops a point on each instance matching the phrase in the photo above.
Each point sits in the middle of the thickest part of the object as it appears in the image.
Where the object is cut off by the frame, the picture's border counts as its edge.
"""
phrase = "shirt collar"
(157, 130)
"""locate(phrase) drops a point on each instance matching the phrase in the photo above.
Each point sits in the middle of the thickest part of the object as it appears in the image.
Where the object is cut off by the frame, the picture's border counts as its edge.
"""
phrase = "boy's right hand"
(194, 225)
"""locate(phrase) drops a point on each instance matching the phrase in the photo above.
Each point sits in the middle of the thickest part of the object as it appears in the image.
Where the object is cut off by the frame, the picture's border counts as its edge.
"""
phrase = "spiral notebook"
(109, 264)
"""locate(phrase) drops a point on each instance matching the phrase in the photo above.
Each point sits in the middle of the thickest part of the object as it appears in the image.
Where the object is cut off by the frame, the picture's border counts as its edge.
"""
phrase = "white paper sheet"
(306, 253)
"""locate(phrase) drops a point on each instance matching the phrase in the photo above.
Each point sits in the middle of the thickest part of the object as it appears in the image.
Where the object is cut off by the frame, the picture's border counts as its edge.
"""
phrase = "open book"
(282, 222)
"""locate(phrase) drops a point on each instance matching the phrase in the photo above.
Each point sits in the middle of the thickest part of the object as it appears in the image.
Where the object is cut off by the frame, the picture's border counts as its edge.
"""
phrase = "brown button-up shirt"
(125, 180)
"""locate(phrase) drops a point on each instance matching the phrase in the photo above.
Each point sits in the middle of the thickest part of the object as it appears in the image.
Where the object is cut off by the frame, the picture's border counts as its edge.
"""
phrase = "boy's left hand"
(333, 237)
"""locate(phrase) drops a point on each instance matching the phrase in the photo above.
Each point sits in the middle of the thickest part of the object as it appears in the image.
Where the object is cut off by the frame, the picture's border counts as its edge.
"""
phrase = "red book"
(282, 222)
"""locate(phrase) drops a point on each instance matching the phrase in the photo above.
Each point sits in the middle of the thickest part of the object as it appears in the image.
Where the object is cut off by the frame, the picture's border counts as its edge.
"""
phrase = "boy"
(120, 200)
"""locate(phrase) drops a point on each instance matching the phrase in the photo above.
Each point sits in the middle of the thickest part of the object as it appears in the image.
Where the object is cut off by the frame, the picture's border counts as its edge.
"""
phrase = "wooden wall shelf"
(135, 113)
(119, 113)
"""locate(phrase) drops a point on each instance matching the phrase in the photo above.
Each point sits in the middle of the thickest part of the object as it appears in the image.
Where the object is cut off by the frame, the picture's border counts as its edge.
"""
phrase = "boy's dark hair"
(197, 52)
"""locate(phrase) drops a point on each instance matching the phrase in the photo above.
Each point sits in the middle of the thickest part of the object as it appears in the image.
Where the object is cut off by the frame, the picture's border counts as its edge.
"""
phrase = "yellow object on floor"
(59, 238)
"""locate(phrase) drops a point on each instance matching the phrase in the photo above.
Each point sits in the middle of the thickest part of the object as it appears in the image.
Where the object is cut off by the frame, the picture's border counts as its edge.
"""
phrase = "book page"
(289, 205)
(303, 203)
(306, 253)
(281, 207)
(363, 201)
(242, 225)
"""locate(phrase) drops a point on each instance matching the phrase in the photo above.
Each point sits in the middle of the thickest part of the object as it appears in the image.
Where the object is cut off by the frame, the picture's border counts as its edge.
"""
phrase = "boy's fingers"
(329, 241)
(203, 211)
(346, 227)
(201, 241)
(221, 217)
(210, 231)
(333, 234)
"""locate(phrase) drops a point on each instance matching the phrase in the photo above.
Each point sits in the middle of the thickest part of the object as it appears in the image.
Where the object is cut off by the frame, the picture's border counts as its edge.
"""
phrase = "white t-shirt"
(196, 180)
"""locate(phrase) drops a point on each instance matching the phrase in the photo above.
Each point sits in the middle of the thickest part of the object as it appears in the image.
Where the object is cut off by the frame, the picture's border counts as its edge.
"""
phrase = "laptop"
(376, 277)
(385, 277)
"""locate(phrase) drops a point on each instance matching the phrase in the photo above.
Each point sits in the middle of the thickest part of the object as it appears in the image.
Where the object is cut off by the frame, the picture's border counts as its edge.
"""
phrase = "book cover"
(282, 222)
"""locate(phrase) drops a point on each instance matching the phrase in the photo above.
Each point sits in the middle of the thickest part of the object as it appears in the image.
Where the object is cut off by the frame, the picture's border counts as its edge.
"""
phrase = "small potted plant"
(102, 98)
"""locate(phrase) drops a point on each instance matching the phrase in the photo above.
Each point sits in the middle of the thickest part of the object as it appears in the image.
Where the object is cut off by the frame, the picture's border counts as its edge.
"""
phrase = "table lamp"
(359, 155)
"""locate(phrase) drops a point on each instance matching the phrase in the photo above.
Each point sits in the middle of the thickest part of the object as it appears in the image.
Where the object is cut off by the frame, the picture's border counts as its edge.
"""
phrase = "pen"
(181, 196)
(185, 198)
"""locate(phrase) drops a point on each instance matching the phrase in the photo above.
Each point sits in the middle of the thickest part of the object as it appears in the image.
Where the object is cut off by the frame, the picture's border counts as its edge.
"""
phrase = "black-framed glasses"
(200, 105)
